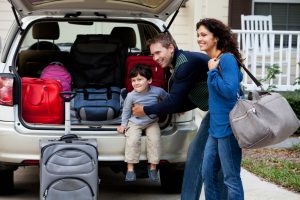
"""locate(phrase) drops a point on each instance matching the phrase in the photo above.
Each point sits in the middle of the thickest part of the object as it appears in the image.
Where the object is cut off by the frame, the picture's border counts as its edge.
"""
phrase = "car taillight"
(30, 162)
(6, 91)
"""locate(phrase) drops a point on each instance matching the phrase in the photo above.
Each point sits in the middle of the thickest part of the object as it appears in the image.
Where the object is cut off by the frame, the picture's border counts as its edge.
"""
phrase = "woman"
(224, 77)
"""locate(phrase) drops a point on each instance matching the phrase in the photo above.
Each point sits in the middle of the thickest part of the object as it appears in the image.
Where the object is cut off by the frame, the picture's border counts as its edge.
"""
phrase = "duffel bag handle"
(86, 94)
(102, 85)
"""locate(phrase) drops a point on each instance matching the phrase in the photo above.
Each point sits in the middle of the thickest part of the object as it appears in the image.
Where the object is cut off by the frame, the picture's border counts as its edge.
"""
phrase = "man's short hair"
(164, 38)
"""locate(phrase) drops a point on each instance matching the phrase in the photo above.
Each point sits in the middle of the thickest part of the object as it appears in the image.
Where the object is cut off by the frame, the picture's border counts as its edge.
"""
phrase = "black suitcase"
(97, 59)
(69, 165)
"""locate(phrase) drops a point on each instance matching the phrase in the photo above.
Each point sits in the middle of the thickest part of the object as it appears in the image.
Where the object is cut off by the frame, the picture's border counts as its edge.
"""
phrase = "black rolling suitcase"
(69, 165)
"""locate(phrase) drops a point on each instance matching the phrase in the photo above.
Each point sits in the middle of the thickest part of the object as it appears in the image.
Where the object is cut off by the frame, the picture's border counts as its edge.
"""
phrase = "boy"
(143, 93)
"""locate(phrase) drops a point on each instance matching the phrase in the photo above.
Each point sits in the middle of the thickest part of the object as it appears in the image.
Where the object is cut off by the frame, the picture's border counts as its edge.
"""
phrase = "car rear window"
(69, 31)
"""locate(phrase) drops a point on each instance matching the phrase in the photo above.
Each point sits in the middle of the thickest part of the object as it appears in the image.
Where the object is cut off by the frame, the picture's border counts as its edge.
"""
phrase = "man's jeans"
(192, 180)
(222, 153)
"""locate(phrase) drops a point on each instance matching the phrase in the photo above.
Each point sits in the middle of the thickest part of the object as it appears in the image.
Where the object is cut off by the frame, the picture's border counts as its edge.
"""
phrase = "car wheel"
(171, 179)
(6, 181)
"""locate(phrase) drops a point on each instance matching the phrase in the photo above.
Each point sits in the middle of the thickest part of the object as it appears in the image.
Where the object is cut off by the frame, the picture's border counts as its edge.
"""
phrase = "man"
(188, 68)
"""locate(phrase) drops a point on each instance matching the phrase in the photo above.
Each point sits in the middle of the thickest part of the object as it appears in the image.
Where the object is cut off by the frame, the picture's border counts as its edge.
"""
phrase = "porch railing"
(264, 49)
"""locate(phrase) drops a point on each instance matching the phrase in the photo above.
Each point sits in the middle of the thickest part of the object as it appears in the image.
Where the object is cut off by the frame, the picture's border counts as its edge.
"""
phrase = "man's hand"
(138, 110)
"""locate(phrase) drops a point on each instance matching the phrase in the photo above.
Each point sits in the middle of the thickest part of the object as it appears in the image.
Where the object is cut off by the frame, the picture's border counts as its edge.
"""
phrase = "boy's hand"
(121, 129)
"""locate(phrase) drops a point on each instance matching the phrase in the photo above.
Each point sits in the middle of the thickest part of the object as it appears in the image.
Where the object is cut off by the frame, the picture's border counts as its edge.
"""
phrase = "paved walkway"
(286, 143)
(256, 188)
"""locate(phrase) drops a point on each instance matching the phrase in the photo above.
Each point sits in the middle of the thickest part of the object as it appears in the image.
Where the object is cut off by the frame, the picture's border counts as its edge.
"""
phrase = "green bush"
(294, 100)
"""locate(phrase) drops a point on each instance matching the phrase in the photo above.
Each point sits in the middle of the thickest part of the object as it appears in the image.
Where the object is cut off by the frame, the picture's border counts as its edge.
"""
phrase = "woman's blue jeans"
(192, 179)
(222, 153)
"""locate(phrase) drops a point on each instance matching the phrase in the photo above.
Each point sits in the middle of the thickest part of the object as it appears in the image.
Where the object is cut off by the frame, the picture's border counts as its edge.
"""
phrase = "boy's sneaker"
(130, 176)
(153, 175)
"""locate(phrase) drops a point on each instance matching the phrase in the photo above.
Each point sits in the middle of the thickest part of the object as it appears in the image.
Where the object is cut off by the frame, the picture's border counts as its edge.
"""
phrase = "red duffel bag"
(41, 102)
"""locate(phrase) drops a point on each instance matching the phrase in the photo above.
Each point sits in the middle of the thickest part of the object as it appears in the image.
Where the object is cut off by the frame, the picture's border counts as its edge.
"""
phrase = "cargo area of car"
(89, 59)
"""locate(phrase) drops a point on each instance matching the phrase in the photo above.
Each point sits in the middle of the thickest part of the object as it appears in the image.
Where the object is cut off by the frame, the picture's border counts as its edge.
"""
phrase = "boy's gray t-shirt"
(146, 99)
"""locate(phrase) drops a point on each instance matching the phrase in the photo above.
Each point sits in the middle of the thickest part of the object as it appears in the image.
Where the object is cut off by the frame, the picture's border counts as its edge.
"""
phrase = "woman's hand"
(213, 63)
(138, 110)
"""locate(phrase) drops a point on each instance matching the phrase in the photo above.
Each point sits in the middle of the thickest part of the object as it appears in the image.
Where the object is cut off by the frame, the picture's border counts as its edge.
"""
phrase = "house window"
(285, 14)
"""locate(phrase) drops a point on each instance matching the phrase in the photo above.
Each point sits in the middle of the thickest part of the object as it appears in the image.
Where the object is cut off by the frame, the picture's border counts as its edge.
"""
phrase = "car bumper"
(16, 147)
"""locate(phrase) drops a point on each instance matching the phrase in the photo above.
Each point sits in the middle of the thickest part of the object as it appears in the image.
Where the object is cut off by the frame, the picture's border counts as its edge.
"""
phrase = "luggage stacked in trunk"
(98, 63)
(41, 102)
(97, 104)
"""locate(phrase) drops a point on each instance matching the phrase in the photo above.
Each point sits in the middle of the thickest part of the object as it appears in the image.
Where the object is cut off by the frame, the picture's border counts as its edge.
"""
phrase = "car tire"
(6, 181)
(171, 179)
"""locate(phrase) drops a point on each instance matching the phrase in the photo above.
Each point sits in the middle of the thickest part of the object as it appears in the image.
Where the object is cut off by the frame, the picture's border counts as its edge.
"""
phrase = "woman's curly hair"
(226, 42)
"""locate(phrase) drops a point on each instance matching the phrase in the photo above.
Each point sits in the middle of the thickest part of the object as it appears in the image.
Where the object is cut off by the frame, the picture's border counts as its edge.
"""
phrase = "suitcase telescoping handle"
(67, 97)
(68, 138)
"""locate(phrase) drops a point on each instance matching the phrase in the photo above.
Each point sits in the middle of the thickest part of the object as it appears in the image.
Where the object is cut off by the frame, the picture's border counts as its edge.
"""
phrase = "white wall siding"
(6, 19)
(184, 26)
(216, 9)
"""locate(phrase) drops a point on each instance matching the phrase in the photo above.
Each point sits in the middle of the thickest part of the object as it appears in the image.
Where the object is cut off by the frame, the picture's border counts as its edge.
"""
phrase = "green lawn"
(280, 166)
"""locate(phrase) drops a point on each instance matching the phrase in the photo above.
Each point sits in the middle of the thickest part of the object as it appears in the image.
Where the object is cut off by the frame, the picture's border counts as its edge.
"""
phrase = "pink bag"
(57, 71)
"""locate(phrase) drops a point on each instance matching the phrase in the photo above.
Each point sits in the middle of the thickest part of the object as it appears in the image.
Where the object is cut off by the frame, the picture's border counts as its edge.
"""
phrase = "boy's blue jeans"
(192, 179)
(222, 153)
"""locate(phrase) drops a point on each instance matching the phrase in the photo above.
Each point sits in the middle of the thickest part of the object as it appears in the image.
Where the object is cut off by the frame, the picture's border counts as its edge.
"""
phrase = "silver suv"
(29, 49)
